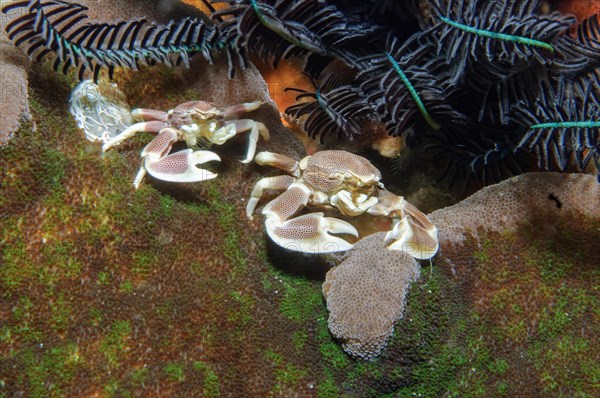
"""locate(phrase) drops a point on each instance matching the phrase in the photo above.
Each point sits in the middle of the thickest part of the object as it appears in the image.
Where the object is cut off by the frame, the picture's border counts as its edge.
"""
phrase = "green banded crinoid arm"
(509, 35)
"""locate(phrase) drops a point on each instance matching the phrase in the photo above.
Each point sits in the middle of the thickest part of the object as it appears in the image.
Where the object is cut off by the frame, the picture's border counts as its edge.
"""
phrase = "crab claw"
(408, 236)
(310, 233)
(352, 207)
(181, 166)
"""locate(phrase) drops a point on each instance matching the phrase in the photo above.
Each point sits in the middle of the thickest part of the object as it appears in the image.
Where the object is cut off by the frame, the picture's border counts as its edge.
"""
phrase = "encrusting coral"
(366, 293)
(14, 67)
(505, 206)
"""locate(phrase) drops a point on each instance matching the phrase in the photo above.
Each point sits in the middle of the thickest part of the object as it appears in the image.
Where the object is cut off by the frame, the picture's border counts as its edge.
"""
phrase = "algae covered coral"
(169, 291)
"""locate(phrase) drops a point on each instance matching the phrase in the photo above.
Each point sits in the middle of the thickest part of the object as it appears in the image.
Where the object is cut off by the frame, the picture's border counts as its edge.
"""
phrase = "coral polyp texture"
(505, 206)
(482, 86)
(366, 293)
(14, 66)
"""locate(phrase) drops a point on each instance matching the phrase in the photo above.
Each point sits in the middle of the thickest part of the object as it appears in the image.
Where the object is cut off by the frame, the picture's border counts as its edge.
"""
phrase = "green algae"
(553, 351)
(227, 220)
(138, 376)
(47, 373)
(299, 339)
(114, 344)
(126, 287)
(288, 378)
(328, 388)
(143, 262)
(241, 312)
(301, 300)
(287, 375)
(61, 310)
(211, 386)
(16, 267)
(175, 372)
(333, 355)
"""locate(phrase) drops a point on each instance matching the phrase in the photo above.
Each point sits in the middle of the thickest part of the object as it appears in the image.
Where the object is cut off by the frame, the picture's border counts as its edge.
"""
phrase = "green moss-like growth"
(46, 373)
(301, 299)
(175, 372)
(227, 219)
(114, 345)
(211, 387)
(526, 328)
(287, 375)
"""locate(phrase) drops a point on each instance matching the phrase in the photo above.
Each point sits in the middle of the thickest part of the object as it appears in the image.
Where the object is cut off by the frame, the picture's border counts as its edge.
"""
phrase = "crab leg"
(276, 183)
(159, 147)
(152, 127)
(255, 128)
(309, 233)
(234, 111)
(282, 162)
(409, 236)
(149, 115)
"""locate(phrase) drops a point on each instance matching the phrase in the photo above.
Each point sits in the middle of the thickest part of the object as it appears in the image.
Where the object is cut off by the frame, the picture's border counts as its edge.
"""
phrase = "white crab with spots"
(347, 182)
(191, 122)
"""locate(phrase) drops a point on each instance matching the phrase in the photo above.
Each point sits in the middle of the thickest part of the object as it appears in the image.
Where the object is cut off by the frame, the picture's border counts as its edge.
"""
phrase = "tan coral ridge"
(14, 66)
(366, 292)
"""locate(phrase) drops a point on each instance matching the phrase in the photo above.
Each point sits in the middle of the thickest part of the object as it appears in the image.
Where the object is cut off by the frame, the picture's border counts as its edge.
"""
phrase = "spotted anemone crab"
(346, 182)
(192, 122)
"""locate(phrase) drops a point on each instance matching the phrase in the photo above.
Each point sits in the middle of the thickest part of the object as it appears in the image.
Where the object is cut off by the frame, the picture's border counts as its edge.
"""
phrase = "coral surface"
(503, 207)
(14, 66)
(365, 295)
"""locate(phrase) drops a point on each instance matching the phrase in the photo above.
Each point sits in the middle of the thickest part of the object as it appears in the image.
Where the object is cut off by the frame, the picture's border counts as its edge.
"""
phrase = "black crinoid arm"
(499, 37)
(518, 76)
(579, 55)
(333, 109)
(281, 29)
(60, 29)
(462, 154)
